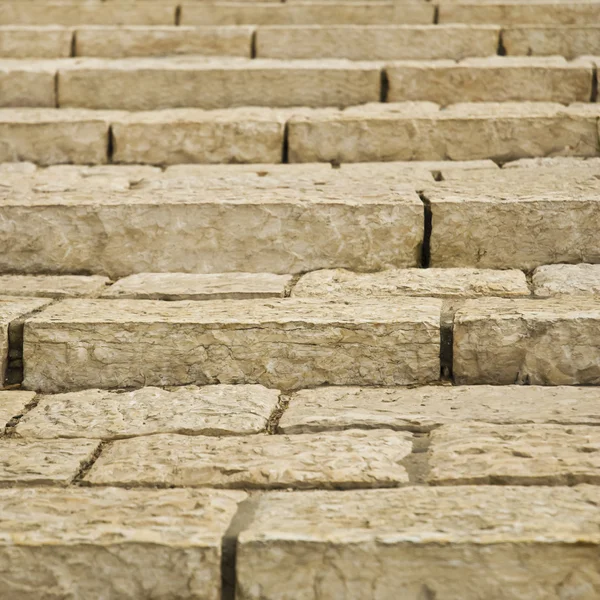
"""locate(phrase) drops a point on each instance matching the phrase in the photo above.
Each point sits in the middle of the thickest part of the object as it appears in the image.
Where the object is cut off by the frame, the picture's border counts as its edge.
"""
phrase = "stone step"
(566, 280)
(569, 41)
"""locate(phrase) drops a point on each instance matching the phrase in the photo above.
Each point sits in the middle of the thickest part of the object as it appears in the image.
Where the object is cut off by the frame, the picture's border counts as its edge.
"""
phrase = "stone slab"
(566, 280)
(189, 410)
(542, 40)
(27, 84)
(162, 543)
(541, 342)
(425, 408)
(12, 403)
(192, 286)
(377, 42)
(284, 344)
(350, 459)
(42, 462)
(35, 42)
(257, 170)
(553, 161)
(339, 284)
(514, 454)
(53, 286)
(470, 543)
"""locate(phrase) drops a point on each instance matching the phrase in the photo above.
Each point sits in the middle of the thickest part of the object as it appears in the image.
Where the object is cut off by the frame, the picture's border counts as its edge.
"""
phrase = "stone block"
(27, 84)
(53, 286)
(543, 40)
(566, 280)
(13, 403)
(35, 42)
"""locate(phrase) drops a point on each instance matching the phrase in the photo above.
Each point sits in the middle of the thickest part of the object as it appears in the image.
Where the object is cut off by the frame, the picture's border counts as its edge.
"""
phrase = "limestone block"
(350, 459)
(52, 286)
(470, 543)
(553, 161)
(425, 408)
(40, 462)
(51, 136)
(566, 280)
(257, 170)
(113, 543)
(12, 404)
(543, 40)
(377, 42)
(551, 342)
(35, 42)
(285, 344)
(120, 42)
(192, 286)
(27, 84)
(514, 454)
(24, 168)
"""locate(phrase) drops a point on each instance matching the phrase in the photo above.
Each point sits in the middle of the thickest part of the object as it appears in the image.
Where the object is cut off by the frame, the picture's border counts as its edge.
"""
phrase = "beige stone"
(27, 84)
(192, 286)
(192, 226)
(52, 286)
(112, 543)
(553, 161)
(23, 168)
(257, 170)
(494, 79)
(543, 342)
(121, 42)
(215, 83)
(514, 454)
(12, 404)
(349, 459)
(425, 408)
(539, 40)
(516, 218)
(566, 280)
(285, 344)
(377, 42)
(339, 284)
(418, 542)
(40, 462)
(35, 42)
(51, 136)
(190, 410)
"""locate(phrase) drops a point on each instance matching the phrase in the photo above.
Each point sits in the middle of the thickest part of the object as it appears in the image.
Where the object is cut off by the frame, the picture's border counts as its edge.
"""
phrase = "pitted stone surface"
(424, 408)
(12, 403)
(544, 40)
(468, 543)
(35, 42)
(52, 286)
(351, 459)
(339, 284)
(40, 462)
(566, 280)
(191, 286)
(190, 410)
(287, 343)
(514, 454)
(165, 543)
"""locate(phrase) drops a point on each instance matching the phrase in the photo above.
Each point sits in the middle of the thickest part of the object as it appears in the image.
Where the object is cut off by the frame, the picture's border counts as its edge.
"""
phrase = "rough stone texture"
(418, 542)
(142, 544)
(413, 131)
(339, 284)
(40, 462)
(516, 218)
(190, 286)
(285, 344)
(35, 42)
(383, 42)
(190, 410)
(245, 223)
(566, 280)
(425, 408)
(569, 42)
(553, 161)
(545, 342)
(51, 136)
(257, 170)
(27, 84)
(121, 42)
(350, 459)
(241, 135)
(514, 454)
(494, 79)
(12, 404)
(52, 286)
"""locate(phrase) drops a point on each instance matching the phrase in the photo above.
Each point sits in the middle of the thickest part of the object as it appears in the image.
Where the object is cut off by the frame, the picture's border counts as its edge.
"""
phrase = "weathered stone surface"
(263, 225)
(191, 286)
(51, 136)
(494, 79)
(12, 404)
(468, 543)
(350, 459)
(257, 170)
(381, 42)
(543, 40)
(24, 168)
(566, 280)
(553, 161)
(38, 462)
(516, 218)
(190, 410)
(121, 42)
(35, 42)
(340, 284)
(424, 408)
(545, 342)
(285, 344)
(52, 286)
(153, 543)
(409, 131)
(514, 454)
(27, 84)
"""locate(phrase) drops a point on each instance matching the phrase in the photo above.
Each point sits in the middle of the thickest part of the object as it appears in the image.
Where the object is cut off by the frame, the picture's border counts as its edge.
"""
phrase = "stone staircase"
(299, 300)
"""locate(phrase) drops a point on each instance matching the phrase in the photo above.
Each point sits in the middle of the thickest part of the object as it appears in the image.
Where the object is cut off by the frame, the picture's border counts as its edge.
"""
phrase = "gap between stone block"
(9, 429)
(427, 227)
(417, 462)
(88, 464)
(273, 421)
